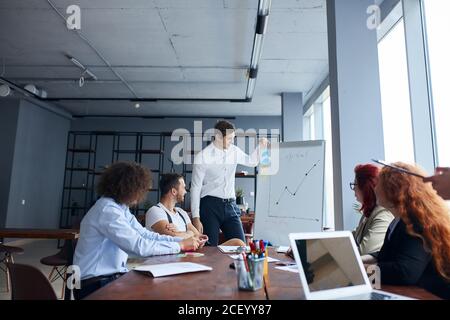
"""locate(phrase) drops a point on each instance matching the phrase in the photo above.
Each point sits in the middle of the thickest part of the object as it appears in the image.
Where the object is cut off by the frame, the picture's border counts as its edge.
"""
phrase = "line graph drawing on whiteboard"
(291, 200)
(273, 207)
(286, 188)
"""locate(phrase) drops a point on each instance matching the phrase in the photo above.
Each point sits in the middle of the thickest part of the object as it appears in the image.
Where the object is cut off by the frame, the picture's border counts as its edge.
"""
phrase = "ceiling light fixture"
(4, 90)
(261, 28)
(85, 71)
(137, 105)
(36, 91)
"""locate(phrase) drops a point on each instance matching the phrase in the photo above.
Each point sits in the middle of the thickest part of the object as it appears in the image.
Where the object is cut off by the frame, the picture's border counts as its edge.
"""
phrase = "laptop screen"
(329, 263)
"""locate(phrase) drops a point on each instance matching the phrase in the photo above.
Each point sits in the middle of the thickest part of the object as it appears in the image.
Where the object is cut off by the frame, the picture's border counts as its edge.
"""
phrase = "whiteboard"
(291, 200)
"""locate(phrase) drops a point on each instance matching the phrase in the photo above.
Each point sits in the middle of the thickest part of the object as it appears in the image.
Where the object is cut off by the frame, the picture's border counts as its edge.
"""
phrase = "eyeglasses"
(353, 185)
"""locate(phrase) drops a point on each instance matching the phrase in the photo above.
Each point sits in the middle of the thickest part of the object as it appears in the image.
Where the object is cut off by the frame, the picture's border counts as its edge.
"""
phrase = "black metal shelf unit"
(78, 185)
(83, 167)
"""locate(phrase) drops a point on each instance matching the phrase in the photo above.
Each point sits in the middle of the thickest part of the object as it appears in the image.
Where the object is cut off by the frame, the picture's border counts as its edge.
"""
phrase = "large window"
(397, 125)
(438, 27)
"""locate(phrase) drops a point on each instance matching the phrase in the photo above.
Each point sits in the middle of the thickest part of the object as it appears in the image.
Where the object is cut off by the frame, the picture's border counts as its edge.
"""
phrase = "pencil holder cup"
(249, 274)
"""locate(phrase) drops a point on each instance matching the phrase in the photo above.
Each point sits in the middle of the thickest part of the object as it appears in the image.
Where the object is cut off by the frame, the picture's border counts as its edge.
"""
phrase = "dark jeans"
(223, 214)
(88, 286)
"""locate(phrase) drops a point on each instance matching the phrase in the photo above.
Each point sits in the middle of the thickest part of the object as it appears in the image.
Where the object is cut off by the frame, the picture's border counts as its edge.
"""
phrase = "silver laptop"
(330, 267)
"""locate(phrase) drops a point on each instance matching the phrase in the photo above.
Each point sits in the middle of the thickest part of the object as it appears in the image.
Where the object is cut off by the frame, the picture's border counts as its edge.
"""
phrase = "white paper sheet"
(282, 249)
(269, 259)
(167, 269)
(292, 269)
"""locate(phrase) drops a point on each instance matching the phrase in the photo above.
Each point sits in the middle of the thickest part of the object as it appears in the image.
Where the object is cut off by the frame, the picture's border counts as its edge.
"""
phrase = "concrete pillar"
(292, 116)
(356, 116)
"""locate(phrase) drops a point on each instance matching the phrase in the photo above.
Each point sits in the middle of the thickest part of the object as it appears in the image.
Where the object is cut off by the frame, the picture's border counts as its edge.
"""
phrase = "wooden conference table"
(218, 284)
(70, 235)
(63, 234)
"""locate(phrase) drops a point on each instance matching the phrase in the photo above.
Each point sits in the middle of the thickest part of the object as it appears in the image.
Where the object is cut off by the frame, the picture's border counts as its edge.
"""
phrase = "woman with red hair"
(416, 250)
(375, 220)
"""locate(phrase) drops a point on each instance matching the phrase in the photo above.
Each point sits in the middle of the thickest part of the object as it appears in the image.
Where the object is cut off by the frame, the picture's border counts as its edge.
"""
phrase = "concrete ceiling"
(165, 49)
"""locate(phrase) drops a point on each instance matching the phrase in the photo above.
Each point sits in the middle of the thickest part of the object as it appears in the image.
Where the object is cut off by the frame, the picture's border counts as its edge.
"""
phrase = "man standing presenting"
(213, 202)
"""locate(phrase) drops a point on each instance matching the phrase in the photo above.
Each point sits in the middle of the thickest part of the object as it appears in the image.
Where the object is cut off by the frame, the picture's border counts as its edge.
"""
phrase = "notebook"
(168, 269)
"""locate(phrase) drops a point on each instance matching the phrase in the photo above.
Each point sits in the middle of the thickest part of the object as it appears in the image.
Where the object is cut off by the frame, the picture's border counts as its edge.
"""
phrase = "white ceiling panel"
(240, 4)
(214, 75)
(298, 4)
(200, 4)
(272, 83)
(153, 74)
(55, 72)
(296, 46)
(85, 4)
(125, 36)
(218, 90)
(165, 49)
(295, 66)
(297, 21)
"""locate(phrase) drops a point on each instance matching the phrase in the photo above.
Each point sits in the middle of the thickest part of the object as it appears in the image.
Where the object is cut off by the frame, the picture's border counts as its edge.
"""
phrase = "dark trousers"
(88, 286)
(223, 214)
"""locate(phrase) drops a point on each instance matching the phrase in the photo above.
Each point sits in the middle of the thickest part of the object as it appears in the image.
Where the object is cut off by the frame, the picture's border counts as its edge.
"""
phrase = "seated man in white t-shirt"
(166, 218)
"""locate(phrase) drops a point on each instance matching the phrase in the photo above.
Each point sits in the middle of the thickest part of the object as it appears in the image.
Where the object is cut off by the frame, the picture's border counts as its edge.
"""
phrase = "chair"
(28, 283)
(59, 263)
(6, 256)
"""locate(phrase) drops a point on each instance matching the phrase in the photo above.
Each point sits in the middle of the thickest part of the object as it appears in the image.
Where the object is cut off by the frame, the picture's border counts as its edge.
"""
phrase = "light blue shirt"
(108, 233)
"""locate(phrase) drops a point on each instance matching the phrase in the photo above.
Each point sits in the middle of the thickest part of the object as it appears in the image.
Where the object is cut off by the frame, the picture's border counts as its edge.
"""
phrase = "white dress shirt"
(214, 173)
(108, 233)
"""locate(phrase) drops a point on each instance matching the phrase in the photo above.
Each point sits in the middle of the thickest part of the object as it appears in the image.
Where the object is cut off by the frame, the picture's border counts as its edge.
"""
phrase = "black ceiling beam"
(144, 99)
(152, 117)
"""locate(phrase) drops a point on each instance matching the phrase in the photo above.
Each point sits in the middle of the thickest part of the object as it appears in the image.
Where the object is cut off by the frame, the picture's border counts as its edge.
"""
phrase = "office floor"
(34, 251)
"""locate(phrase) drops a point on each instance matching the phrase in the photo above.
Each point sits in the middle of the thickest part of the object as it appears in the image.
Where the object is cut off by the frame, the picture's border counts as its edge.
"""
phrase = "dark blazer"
(403, 260)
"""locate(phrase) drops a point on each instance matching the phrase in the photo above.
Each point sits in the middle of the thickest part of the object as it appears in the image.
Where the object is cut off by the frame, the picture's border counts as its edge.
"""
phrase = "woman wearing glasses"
(375, 220)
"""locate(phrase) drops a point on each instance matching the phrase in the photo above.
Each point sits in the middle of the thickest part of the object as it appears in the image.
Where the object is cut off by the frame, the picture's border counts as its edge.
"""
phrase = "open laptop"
(330, 267)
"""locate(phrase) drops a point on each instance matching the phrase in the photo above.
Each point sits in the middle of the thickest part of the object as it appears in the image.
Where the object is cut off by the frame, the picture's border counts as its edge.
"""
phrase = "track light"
(85, 71)
(36, 91)
(261, 28)
(251, 88)
(4, 90)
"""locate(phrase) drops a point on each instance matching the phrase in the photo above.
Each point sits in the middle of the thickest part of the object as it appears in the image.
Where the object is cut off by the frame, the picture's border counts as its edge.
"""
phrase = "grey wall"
(37, 171)
(8, 124)
(292, 110)
(162, 125)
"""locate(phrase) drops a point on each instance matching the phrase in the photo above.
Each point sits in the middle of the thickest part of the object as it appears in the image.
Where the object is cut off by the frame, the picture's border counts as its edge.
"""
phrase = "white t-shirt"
(159, 213)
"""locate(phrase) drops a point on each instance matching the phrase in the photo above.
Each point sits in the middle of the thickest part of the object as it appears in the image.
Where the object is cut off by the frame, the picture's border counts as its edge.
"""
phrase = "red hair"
(425, 214)
(366, 177)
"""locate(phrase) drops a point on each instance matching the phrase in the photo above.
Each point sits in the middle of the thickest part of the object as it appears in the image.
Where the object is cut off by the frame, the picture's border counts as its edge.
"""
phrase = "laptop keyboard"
(380, 296)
